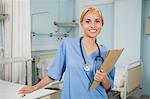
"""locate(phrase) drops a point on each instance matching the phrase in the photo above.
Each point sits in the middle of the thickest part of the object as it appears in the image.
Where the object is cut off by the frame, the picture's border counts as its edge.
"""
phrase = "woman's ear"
(81, 24)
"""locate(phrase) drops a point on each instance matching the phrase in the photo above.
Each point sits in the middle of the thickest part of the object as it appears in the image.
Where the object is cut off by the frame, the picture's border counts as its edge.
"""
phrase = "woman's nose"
(92, 24)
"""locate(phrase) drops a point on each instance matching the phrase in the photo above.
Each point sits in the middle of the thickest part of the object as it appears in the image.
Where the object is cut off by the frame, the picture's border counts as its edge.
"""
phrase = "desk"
(16, 60)
(9, 90)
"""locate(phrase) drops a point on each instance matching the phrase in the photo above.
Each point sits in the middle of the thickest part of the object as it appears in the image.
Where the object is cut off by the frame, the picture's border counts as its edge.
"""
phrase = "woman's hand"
(102, 77)
(27, 89)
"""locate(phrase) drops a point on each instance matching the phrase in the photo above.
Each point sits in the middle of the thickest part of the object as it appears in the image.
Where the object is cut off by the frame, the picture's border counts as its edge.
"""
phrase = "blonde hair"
(94, 9)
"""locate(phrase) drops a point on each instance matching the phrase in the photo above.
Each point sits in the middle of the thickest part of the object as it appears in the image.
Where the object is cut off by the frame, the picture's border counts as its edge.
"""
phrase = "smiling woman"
(80, 70)
(107, 8)
(92, 21)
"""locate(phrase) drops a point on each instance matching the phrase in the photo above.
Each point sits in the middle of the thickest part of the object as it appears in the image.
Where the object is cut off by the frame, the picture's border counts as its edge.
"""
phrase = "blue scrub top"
(77, 81)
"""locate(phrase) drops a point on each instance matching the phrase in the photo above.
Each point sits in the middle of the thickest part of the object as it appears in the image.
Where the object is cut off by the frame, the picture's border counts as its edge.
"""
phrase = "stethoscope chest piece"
(87, 67)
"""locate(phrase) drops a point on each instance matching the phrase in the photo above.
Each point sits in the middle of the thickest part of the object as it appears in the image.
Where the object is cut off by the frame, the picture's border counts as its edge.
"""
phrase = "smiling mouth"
(93, 30)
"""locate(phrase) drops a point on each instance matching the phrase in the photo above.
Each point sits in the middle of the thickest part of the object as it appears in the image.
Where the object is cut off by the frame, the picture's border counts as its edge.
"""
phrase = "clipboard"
(109, 62)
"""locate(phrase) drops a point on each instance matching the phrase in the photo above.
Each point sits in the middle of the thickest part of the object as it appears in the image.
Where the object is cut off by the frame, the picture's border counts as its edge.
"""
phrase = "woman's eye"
(87, 21)
(97, 21)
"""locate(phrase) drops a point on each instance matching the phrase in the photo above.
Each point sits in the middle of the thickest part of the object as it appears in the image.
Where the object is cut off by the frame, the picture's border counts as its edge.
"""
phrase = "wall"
(145, 46)
(127, 29)
(43, 14)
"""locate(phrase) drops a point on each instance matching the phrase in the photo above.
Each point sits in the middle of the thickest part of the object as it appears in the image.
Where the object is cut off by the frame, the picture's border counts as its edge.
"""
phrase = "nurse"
(76, 59)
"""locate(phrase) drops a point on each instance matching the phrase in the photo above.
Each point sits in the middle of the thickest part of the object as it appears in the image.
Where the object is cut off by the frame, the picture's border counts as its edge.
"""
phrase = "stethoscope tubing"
(96, 56)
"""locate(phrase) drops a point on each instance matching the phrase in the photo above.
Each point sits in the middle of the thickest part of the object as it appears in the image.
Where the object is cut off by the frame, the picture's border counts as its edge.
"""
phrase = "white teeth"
(93, 30)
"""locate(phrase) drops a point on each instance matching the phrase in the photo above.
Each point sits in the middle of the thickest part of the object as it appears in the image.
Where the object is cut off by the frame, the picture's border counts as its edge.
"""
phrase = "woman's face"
(92, 24)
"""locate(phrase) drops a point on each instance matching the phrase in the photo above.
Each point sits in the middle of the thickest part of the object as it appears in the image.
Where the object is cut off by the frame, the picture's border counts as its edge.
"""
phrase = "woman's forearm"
(45, 81)
(106, 83)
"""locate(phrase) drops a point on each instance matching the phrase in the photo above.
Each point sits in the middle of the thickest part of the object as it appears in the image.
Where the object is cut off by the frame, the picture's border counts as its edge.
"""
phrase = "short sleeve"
(58, 66)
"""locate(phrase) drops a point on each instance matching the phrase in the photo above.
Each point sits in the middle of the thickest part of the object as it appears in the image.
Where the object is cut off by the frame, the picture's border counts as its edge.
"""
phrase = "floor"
(116, 95)
(142, 97)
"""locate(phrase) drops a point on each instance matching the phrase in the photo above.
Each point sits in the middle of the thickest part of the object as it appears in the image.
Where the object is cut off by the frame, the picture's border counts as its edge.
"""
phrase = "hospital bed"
(128, 79)
(9, 90)
(42, 64)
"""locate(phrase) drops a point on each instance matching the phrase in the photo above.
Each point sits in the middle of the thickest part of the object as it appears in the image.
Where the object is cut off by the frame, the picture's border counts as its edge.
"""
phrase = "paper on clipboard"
(109, 62)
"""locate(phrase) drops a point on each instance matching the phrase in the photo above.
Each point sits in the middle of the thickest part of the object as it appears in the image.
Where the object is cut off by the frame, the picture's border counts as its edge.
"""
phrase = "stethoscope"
(99, 57)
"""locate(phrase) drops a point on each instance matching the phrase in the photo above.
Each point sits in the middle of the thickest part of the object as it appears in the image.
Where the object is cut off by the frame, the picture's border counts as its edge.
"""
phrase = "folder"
(109, 62)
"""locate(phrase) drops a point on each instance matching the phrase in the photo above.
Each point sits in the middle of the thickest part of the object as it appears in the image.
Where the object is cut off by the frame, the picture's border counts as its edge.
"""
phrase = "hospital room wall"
(129, 31)
(43, 14)
(145, 49)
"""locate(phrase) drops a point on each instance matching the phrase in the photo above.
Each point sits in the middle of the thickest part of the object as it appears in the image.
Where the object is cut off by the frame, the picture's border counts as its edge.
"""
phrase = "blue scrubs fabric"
(77, 81)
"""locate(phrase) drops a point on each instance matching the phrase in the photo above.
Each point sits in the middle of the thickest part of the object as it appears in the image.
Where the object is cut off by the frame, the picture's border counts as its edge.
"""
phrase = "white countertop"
(9, 90)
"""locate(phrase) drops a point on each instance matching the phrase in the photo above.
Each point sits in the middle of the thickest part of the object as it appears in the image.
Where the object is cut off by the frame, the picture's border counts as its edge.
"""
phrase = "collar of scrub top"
(87, 67)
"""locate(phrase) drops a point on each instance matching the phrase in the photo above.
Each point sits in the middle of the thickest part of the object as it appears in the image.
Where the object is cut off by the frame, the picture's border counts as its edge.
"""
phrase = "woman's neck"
(89, 45)
(89, 42)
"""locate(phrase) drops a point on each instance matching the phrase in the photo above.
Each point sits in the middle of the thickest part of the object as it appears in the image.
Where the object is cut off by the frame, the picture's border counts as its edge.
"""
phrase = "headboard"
(134, 77)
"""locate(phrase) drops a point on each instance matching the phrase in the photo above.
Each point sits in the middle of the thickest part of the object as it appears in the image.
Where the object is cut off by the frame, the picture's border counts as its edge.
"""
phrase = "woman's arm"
(106, 82)
(103, 77)
(28, 89)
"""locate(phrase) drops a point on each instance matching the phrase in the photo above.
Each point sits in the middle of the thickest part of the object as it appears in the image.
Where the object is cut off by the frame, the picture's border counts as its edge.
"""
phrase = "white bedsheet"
(43, 63)
(119, 77)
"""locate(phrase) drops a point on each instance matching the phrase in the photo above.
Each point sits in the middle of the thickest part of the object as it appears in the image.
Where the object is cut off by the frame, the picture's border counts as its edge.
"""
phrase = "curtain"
(18, 39)
(2, 67)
